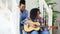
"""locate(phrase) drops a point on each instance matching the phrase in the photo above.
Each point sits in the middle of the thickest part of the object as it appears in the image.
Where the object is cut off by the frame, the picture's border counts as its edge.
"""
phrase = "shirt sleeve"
(26, 14)
(24, 22)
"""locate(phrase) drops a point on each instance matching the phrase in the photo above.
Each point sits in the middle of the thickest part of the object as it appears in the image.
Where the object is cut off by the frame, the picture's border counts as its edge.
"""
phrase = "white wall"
(31, 4)
(9, 17)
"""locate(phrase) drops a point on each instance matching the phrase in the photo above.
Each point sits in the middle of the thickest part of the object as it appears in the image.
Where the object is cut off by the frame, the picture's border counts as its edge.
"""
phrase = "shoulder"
(28, 18)
(41, 18)
(26, 10)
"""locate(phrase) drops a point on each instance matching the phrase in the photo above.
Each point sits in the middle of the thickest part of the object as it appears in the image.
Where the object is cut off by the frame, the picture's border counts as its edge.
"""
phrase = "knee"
(34, 32)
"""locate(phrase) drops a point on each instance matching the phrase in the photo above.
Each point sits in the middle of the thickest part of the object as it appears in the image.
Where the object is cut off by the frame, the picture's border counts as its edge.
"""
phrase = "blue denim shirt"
(23, 16)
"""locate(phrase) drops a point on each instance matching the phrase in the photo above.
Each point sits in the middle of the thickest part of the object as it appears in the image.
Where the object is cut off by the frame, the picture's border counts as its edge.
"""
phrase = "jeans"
(21, 29)
(33, 32)
(45, 32)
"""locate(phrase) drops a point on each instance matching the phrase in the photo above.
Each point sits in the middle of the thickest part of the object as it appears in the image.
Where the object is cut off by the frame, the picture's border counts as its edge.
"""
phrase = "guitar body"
(30, 28)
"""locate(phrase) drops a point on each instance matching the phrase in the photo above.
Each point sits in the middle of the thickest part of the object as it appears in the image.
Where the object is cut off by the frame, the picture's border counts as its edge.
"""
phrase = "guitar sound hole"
(35, 26)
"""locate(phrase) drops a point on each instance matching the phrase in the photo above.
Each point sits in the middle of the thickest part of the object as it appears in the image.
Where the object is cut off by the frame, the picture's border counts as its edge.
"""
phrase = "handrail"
(42, 5)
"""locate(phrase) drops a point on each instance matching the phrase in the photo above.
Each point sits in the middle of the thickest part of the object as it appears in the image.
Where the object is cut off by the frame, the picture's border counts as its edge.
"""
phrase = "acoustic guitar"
(30, 28)
(37, 28)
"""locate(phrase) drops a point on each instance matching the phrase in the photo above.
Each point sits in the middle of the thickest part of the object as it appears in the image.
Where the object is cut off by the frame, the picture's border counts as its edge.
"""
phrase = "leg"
(21, 29)
(25, 32)
(34, 32)
(45, 32)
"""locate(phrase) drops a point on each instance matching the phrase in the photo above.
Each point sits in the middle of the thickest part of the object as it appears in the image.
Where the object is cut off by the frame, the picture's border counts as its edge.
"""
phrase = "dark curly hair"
(33, 13)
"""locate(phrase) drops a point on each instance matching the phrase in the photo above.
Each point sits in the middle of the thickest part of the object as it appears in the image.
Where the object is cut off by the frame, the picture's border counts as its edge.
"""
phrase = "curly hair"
(33, 13)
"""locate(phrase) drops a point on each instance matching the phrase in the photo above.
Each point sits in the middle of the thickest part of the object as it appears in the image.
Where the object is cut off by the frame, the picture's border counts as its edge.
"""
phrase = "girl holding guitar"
(34, 17)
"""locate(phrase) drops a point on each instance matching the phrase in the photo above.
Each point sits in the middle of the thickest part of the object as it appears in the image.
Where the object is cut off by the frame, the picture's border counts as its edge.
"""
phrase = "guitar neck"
(53, 27)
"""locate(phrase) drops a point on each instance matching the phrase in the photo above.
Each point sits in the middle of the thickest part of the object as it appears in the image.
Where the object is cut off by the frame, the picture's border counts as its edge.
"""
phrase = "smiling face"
(22, 7)
(38, 13)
